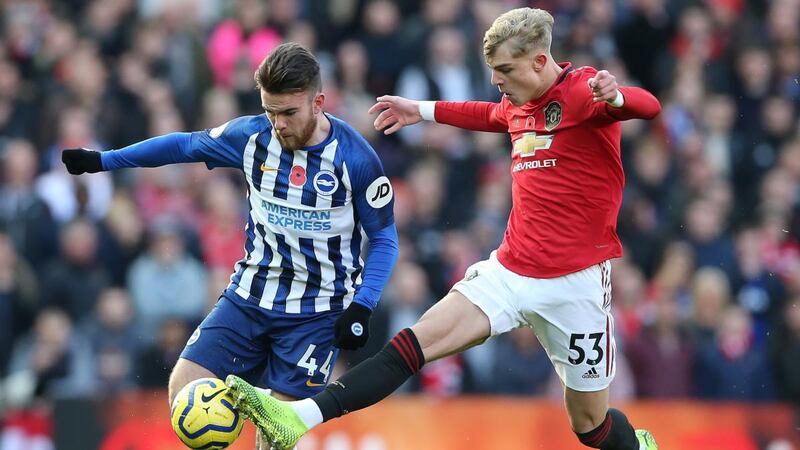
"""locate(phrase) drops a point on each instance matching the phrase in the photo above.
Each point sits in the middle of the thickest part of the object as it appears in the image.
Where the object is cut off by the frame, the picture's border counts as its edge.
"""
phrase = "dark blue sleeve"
(154, 152)
(224, 145)
(217, 147)
(373, 196)
(382, 254)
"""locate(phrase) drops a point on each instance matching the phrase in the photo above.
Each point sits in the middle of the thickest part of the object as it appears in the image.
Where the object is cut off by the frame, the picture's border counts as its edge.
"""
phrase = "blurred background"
(103, 277)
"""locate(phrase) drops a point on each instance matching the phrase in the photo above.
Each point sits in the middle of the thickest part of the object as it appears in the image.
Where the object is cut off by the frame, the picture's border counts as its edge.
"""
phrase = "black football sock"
(374, 379)
(615, 433)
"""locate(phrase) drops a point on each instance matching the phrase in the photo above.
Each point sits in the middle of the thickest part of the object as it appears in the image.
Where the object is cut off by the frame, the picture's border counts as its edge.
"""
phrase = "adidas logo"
(591, 373)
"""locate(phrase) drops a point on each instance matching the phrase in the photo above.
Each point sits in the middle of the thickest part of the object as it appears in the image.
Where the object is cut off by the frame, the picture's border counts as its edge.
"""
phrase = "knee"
(584, 420)
(174, 386)
(183, 373)
(586, 410)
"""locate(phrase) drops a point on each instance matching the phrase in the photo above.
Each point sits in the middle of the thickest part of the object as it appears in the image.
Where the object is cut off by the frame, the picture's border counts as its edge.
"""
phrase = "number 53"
(574, 346)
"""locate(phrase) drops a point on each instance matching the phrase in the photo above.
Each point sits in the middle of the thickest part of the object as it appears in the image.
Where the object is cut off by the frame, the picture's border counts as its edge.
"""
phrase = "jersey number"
(574, 346)
(310, 364)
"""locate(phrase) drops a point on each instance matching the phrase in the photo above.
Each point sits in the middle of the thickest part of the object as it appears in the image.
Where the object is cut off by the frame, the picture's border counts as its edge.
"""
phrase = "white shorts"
(571, 316)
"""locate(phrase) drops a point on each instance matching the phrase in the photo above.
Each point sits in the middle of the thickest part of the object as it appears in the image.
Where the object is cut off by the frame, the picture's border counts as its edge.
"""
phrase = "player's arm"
(158, 151)
(622, 102)
(373, 200)
(214, 147)
(472, 115)
(397, 112)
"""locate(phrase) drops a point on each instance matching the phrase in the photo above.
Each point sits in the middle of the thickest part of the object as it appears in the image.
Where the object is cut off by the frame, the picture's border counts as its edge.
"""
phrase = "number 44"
(310, 364)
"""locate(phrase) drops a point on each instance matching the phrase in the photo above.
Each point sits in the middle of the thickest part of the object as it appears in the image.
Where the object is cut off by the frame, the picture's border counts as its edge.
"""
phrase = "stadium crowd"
(103, 277)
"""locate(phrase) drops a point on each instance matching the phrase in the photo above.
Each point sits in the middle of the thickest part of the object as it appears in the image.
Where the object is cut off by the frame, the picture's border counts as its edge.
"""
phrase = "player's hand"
(80, 160)
(396, 112)
(351, 329)
(604, 86)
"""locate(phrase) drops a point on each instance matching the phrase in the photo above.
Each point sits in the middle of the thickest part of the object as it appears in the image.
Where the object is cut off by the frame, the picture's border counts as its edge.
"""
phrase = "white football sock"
(308, 411)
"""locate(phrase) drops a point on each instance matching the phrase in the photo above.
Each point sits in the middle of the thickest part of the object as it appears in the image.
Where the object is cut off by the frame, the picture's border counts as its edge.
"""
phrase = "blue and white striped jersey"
(308, 211)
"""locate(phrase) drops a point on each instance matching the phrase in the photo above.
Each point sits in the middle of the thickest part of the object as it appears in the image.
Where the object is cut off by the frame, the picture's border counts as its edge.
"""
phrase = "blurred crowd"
(104, 276)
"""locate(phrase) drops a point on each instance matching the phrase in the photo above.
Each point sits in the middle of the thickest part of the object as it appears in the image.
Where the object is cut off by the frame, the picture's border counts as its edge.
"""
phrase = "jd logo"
(383, 191)
(379, 193)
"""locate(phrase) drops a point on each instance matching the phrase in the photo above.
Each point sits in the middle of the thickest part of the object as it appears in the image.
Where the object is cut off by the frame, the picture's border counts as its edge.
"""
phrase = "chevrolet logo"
(527, 145)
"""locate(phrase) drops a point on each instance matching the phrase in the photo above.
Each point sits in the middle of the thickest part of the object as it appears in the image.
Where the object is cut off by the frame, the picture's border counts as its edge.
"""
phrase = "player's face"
(293, 115)
(517, 78)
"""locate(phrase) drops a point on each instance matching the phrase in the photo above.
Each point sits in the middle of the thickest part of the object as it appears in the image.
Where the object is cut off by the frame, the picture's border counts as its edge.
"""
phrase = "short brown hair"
(525, 28)
(290, 67)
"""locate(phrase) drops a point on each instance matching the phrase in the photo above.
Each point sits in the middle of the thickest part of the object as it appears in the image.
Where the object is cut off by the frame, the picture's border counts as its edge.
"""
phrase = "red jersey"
(566, 171)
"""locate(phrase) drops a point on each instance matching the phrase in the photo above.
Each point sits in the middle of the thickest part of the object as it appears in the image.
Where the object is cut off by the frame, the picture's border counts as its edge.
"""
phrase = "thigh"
(571, 317)
(231, 340)
(452, 325)
(489, 287)
(302, 355)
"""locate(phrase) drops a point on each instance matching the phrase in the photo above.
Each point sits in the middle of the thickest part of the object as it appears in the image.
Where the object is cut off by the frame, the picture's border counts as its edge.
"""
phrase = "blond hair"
(525, 28)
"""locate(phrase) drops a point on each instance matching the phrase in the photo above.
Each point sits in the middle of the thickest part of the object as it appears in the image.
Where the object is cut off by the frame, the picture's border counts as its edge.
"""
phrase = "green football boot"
(276, 419)
(646, 440)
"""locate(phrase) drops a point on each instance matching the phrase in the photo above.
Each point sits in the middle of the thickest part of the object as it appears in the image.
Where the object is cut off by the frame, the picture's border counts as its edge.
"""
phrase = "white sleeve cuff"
(618, 101)
(426, 110)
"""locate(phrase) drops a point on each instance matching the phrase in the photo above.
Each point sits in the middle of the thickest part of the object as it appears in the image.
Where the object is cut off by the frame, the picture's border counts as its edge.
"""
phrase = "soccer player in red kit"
(552, 271)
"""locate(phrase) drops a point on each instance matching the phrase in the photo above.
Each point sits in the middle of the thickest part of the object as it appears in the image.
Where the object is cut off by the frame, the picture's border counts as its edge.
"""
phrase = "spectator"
(785, 353)
(114, 341)
(239, 44)
(220, 234)
(122, 237)
(57, 358)
(759, 292)
(705, 222)
(642, 38)
(710, 296)
(24, 215)
(730, 367)
(74, 282)
(17, 109)
(19, 300)
(662, 345)
(155, 362)
(521, 366)
(445, 74)
(166, 282)
(386, 51)
(69, 197)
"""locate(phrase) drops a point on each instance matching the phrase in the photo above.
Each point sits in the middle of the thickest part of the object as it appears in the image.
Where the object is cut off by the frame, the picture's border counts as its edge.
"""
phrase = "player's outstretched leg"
(283, 423)
(646, 440)
(276, 419)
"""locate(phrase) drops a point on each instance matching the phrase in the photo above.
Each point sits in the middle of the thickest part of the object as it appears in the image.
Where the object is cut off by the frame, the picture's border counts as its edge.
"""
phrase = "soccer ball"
(203, 415)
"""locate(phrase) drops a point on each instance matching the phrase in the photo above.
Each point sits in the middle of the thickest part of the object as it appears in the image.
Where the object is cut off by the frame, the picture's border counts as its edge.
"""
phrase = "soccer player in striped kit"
(552, 271)
(316, 192)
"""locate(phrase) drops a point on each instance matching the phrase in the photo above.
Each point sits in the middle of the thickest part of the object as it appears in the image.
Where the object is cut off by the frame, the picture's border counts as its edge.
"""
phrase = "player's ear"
(539, 61)
(319, 100)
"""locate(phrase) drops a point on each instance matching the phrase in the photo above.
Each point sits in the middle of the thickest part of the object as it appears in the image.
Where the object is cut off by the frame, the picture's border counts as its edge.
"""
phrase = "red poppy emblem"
(298, 176)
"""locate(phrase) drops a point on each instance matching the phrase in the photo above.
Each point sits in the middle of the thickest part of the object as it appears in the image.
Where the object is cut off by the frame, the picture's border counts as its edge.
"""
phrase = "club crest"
(552, 115)
(325, 182)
